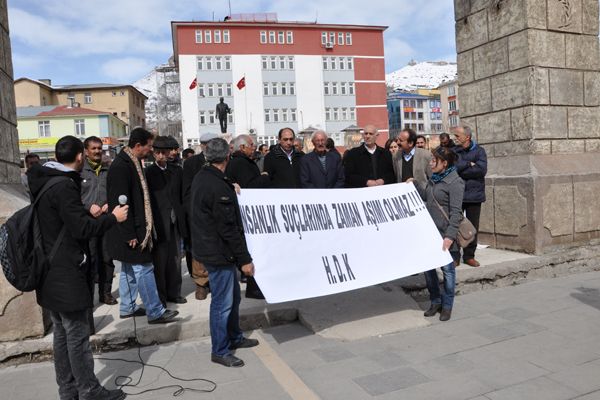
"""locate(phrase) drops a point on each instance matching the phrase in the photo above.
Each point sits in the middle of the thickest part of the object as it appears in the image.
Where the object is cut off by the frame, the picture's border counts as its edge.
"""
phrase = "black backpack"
(22, 256)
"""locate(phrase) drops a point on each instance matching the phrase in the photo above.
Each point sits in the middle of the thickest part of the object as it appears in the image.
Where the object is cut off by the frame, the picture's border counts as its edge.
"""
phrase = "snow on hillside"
(423, 75)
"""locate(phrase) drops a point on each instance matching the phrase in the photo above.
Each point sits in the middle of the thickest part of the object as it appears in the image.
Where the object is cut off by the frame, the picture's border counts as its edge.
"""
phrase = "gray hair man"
(218, 242)
(368, 164)
(321, 169)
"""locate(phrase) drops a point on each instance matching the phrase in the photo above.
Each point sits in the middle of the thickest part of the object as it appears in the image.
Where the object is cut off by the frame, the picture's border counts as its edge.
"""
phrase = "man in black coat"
(164, 183)
(66, 291)
(218, 242)
(282, 163)
(131, 242)
(368, 164)
(472, 168)
(321, 169)
(191, 167)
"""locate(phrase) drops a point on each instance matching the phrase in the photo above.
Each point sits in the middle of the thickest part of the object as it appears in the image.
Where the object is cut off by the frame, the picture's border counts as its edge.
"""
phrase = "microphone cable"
(122, 381)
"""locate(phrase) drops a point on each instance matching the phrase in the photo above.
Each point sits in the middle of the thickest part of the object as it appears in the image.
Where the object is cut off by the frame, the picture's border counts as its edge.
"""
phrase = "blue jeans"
(224, 308)
(446, 299)
(139, 277)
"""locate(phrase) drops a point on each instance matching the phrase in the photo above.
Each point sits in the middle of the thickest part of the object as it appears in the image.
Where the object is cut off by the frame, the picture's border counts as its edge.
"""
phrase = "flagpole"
(246, 102)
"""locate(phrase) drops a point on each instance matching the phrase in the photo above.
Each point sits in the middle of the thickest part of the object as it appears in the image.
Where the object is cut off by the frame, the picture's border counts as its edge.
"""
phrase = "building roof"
(56, 111)
(448, 83)
(87, 86)
(405, 95)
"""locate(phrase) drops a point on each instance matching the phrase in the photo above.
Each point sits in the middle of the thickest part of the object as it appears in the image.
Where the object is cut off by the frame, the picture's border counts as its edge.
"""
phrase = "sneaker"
(140, 312)
(115, 394)
(229, 360)
(178, 300)
(165, 318)
(244, 344)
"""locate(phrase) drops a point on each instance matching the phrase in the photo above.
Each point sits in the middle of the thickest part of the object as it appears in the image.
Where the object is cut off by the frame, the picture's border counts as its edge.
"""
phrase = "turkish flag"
(242, 83)
(194, 84)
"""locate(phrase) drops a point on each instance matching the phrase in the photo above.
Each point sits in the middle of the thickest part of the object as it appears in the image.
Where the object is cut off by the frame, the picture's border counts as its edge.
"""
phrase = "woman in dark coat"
(443, 197)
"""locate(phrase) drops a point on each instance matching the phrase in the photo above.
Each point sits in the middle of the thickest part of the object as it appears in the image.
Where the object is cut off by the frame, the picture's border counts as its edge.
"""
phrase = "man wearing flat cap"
(192, 166)
(164, 184)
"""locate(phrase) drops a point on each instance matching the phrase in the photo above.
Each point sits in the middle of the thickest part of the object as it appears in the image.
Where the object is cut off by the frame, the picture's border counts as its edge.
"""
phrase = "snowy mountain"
(423, 75)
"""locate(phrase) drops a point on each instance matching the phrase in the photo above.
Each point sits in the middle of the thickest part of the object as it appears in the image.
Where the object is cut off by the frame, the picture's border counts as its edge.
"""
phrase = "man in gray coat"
(94, 198)
(411, 164)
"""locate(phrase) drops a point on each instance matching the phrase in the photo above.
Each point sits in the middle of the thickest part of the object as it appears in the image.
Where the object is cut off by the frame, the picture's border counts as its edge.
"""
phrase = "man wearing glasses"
(283, 162)
(368, 164)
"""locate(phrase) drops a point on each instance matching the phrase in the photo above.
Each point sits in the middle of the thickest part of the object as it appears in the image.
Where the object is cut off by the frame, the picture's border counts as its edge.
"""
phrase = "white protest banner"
(315, 242)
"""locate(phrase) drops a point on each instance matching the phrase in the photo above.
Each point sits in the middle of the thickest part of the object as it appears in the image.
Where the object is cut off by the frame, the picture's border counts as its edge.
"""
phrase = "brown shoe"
(108, 299)
(472, 262)
(201, 292)
(456, 263)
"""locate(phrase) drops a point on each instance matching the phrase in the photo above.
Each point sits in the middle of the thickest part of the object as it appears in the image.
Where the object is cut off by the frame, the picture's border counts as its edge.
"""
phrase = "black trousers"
(472, 211)
(223, 123)
(167, 267)
(102, 265)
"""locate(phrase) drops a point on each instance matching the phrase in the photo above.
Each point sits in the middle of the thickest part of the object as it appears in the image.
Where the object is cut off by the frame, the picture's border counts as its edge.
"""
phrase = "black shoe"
(229, 360)
(116, 394)
(167, 317)
(107, 299)
(433, 309)
(140, 312)
(178, 300)
(244, 344)
(445, 314)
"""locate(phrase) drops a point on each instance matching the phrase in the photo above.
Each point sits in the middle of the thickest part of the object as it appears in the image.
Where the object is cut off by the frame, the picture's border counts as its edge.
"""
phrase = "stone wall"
(20, 316)
(529, 76)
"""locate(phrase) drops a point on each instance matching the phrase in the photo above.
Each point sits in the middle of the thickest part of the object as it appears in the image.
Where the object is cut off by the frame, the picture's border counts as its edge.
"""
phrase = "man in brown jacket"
(411, 164)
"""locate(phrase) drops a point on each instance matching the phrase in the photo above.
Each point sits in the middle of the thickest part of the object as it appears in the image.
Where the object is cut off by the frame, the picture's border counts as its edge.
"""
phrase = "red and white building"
(296, 74)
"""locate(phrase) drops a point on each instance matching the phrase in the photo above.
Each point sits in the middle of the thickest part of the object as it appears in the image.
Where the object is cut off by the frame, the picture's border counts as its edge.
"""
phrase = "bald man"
(368, 164)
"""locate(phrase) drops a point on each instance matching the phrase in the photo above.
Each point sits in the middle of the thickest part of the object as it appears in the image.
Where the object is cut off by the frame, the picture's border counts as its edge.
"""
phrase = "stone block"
(568, 146)
(3, 58)
(6, 147)
(586, 218)
(584, 122)
(13, 173)
(566, 87)
(540, 147)
(8, 67)
(465, 67)
(486, 220)
(565, 15)
(494, 127)
(549, 122)
(592, 146)
(519, 88)
(557, 205)
(591, 88)
(507, 17)
(475, 98)
(471, 31)
(491, 59)
(3, 15)
(517, 148)
(463, 8)
(582, 52)
(510, 210)
(590, 17)
(7, 99)
(521, 121)
(536, 47)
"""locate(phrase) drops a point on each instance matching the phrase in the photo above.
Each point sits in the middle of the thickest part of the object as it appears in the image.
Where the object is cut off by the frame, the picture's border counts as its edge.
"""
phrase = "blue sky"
(119, 41)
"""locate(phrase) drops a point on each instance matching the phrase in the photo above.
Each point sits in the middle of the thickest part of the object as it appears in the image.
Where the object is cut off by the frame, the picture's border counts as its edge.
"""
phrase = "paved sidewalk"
(538, 340)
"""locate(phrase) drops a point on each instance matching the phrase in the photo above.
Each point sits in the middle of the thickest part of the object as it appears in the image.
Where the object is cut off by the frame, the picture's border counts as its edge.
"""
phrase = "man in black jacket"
(191, 167)
(321, 169)
(164, 184)
(282, 163)
(66, 289)
(368, 164)
(218, 242)
(93, 197)
(131, 242)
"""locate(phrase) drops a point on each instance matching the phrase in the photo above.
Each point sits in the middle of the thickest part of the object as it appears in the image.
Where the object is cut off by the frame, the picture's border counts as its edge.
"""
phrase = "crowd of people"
(146, 218)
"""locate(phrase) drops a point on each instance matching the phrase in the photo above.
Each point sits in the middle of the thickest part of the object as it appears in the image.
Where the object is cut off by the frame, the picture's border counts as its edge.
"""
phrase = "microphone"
(122, 200)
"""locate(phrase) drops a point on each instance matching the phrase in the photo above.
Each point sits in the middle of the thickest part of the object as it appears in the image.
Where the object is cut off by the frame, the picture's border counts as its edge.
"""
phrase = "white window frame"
(211, 117)
(332, 37)
(226, 37)
(340, 38)
(280, 37)
(208, 36)
(341, 64)
(282, 63)
(284, 115)
(336, 114)
(292, 89)
(326, 90)
(211, 90)
(348, 39)
(230, 119)
(263, 37)
(228, 90)
(272, 37)
(350, 63)
(79, 127)
(325, 64)
(265, 63)
(352, 114)
(334, 89)
(267, 115)
(227, 63)
(217, 36)
(274, 89)
(290, 62)
(199, 34)
(276, 115)
(44, 128)
(202, 90)
(266, 89)
(323, 38)
(343, 88)
(328, 114)
(208, 63)
(289, 37)
(293, 115)
(273, 63)
(220, 92)
(200, 63)
(218, 64)
(87, 98)
(284, 90)
(351, 88)
(202, 118)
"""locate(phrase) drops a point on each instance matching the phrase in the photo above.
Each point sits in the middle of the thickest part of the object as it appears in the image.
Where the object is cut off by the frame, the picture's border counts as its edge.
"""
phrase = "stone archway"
(529, 76)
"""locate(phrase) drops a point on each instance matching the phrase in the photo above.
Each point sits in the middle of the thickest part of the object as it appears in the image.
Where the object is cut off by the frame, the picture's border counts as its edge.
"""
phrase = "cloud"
(127, 69)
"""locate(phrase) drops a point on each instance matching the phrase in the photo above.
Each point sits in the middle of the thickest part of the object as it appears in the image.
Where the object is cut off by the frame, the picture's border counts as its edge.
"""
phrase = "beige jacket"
(421, 169)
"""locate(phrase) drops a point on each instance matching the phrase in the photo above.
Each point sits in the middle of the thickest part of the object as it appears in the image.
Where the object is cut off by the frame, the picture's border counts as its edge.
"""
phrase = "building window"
(208, 63)
(420, 115)
(332, 63)
(265, 64)
(293, 115)
(198, 36)
(326, 88)
(228, 63)
(351, 88)
(275, 115)
(207, 36)
(202, 118)
(44, 128)
(343, 88)
(230, 118)
(273, 63)
(282, 63)
(323, 38)
(452, 105)
(219, 90)
(280, 37)
(211, 117)
(334, 88)
(70, 98)
(284, 89)
(263, 37)
(217, 36)
(451, 91)
(271, 36)
(352, 114)
(200, 63)
(336, 114)
(292, 89)
(342, 64)
(79, 127)
(350, 63)
(226, 36)
(265, 89)
(328, 114)
(211, 90)
(284, 115)
(267, 115)
(406, 115)
(290, 63)
(201, 91)
(218, 63)
(228, 90)
(348, 39)
(332, 37)
(274, 89)
(341, 38)
(325, 63)
(290, 37)
(87, 98)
